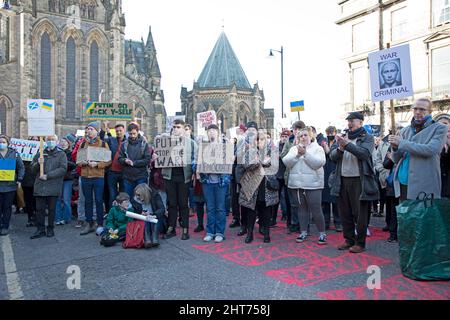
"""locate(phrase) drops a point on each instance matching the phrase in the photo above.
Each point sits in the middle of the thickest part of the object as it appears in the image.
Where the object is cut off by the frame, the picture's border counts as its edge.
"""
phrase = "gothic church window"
(70, 78)
(94, 71)
(46, 67)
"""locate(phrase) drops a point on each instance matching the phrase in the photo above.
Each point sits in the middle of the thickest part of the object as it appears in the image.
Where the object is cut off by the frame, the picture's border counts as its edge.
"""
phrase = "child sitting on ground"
(116, 222)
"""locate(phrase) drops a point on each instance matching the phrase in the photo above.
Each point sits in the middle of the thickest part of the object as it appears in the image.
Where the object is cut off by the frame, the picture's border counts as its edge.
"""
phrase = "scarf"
(352, 135)
(419, 125)
(91, 141)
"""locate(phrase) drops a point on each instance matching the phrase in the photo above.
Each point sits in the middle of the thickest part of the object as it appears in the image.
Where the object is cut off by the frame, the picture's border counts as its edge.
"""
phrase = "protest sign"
(81, 133)
(170, 120)
(93, 154)
(172, 152)
(41, 117)
(250, 182)
(7, 169)
(25, 148)
(215, 158)
(205, 119)
(390, 74)
(108, 111)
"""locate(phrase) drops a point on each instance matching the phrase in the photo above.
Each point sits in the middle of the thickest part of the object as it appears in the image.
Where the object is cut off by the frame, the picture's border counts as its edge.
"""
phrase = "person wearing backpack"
(135, 158)
(93, 179)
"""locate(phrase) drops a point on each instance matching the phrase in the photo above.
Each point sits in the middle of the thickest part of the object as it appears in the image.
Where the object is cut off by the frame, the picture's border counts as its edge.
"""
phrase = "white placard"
(41, 117)
(390, 74)
(217, 158)
(205, 119)
(27, 149)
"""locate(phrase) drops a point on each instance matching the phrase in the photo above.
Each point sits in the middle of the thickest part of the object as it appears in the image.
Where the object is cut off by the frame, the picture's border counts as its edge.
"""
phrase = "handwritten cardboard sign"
(93, 154)
(215, 158)
(250, 182)
(172, 152)
(205, 119)
(27, 149)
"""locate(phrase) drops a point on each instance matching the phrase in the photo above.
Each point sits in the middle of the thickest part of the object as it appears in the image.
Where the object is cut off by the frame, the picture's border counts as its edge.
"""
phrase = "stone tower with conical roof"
(224, 88)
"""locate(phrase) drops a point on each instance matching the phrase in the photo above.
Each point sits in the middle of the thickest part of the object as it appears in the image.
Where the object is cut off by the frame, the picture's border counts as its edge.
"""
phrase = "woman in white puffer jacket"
(306, 160)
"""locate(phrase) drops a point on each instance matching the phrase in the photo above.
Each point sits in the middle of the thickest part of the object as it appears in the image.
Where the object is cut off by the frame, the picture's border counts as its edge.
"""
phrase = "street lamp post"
(282, 77)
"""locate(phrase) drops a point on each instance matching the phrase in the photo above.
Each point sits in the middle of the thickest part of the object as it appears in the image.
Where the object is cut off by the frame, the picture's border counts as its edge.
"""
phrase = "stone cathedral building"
(224, 88)
(74, 51)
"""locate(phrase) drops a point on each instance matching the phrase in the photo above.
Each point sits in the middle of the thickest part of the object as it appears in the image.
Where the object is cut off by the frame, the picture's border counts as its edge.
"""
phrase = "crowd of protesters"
(334, 181)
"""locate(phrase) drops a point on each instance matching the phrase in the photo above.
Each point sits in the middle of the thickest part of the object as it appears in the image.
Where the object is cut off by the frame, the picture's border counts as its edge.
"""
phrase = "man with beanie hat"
(93, 178)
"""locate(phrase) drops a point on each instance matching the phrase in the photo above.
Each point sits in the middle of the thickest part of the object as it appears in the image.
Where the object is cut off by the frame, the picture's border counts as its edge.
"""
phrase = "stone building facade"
(224, 88)
(370, 25)
(74, 51)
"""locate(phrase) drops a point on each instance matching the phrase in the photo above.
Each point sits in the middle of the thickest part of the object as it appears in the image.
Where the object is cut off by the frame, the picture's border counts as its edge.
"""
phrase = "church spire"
(150, 45)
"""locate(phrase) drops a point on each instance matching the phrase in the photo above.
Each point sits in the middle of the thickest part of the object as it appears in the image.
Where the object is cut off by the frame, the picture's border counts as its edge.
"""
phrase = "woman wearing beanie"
(12, 175)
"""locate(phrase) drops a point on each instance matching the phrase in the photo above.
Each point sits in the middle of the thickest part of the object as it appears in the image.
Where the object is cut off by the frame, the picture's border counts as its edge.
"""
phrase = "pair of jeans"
(93, 188)
(81, 203)
(131, 185)
(114, 180)
(215, 196)
(177, 198)
(41, 204)
(6, 202)
(227, 201)
(63, 204)
(30, 203)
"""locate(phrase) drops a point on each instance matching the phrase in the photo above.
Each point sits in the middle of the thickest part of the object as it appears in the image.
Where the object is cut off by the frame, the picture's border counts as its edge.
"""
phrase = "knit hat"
(96, 125)
(252, 124)
(286, 132)
(71, 138)
(242, 127)
(442, 116)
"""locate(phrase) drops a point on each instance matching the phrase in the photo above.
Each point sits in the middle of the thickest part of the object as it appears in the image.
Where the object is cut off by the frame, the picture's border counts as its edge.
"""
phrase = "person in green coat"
(116, 222)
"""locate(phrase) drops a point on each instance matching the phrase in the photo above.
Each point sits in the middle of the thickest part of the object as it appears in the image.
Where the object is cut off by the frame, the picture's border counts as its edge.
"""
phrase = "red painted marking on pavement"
(324, 268)
(395, 288)
(261, 256)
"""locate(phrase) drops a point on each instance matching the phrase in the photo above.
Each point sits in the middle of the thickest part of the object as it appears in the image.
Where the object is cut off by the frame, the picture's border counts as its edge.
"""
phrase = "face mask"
(3, 146)
(51, 145)
(331, 138)
(137, 200)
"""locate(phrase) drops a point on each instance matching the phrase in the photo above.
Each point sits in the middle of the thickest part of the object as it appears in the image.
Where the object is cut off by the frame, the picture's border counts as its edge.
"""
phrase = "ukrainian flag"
(47, 106)
(298, 106)
(7, 169)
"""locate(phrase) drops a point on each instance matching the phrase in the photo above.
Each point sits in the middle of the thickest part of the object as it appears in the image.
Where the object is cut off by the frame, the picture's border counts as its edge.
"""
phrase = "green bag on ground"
(424, 238)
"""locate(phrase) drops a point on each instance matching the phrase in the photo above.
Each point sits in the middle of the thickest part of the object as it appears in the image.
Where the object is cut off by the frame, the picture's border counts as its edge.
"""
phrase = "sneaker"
(79, 224)
(322, 239)
(301, 238)
(59, 223)
(99, 231)
(208, 238)
(199, 228)
(218, 239)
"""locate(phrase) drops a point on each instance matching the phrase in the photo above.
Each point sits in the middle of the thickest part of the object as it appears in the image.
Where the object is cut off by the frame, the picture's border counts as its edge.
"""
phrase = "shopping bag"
(424, 238)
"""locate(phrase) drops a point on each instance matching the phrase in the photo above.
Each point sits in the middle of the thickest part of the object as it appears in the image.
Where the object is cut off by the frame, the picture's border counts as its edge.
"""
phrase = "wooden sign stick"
(41, 155)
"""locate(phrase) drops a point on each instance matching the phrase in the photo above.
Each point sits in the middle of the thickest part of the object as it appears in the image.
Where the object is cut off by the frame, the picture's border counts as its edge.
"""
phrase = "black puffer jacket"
(137, 151)
(71, 166)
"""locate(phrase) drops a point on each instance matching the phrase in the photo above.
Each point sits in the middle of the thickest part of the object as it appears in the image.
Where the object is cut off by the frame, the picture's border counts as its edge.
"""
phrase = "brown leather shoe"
(357, 249)
(344, 246)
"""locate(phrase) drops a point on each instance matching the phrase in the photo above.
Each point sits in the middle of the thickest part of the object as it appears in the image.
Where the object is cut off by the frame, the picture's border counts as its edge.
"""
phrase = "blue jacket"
(9, 186)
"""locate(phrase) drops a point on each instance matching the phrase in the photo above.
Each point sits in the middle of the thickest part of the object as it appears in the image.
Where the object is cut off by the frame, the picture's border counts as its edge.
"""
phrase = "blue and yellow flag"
(7, 169)
(298, 106)
(47, 106)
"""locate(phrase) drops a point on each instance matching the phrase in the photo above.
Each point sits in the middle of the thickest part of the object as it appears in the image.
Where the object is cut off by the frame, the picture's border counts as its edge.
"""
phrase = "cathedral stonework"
(224, 88)
(74, 51)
